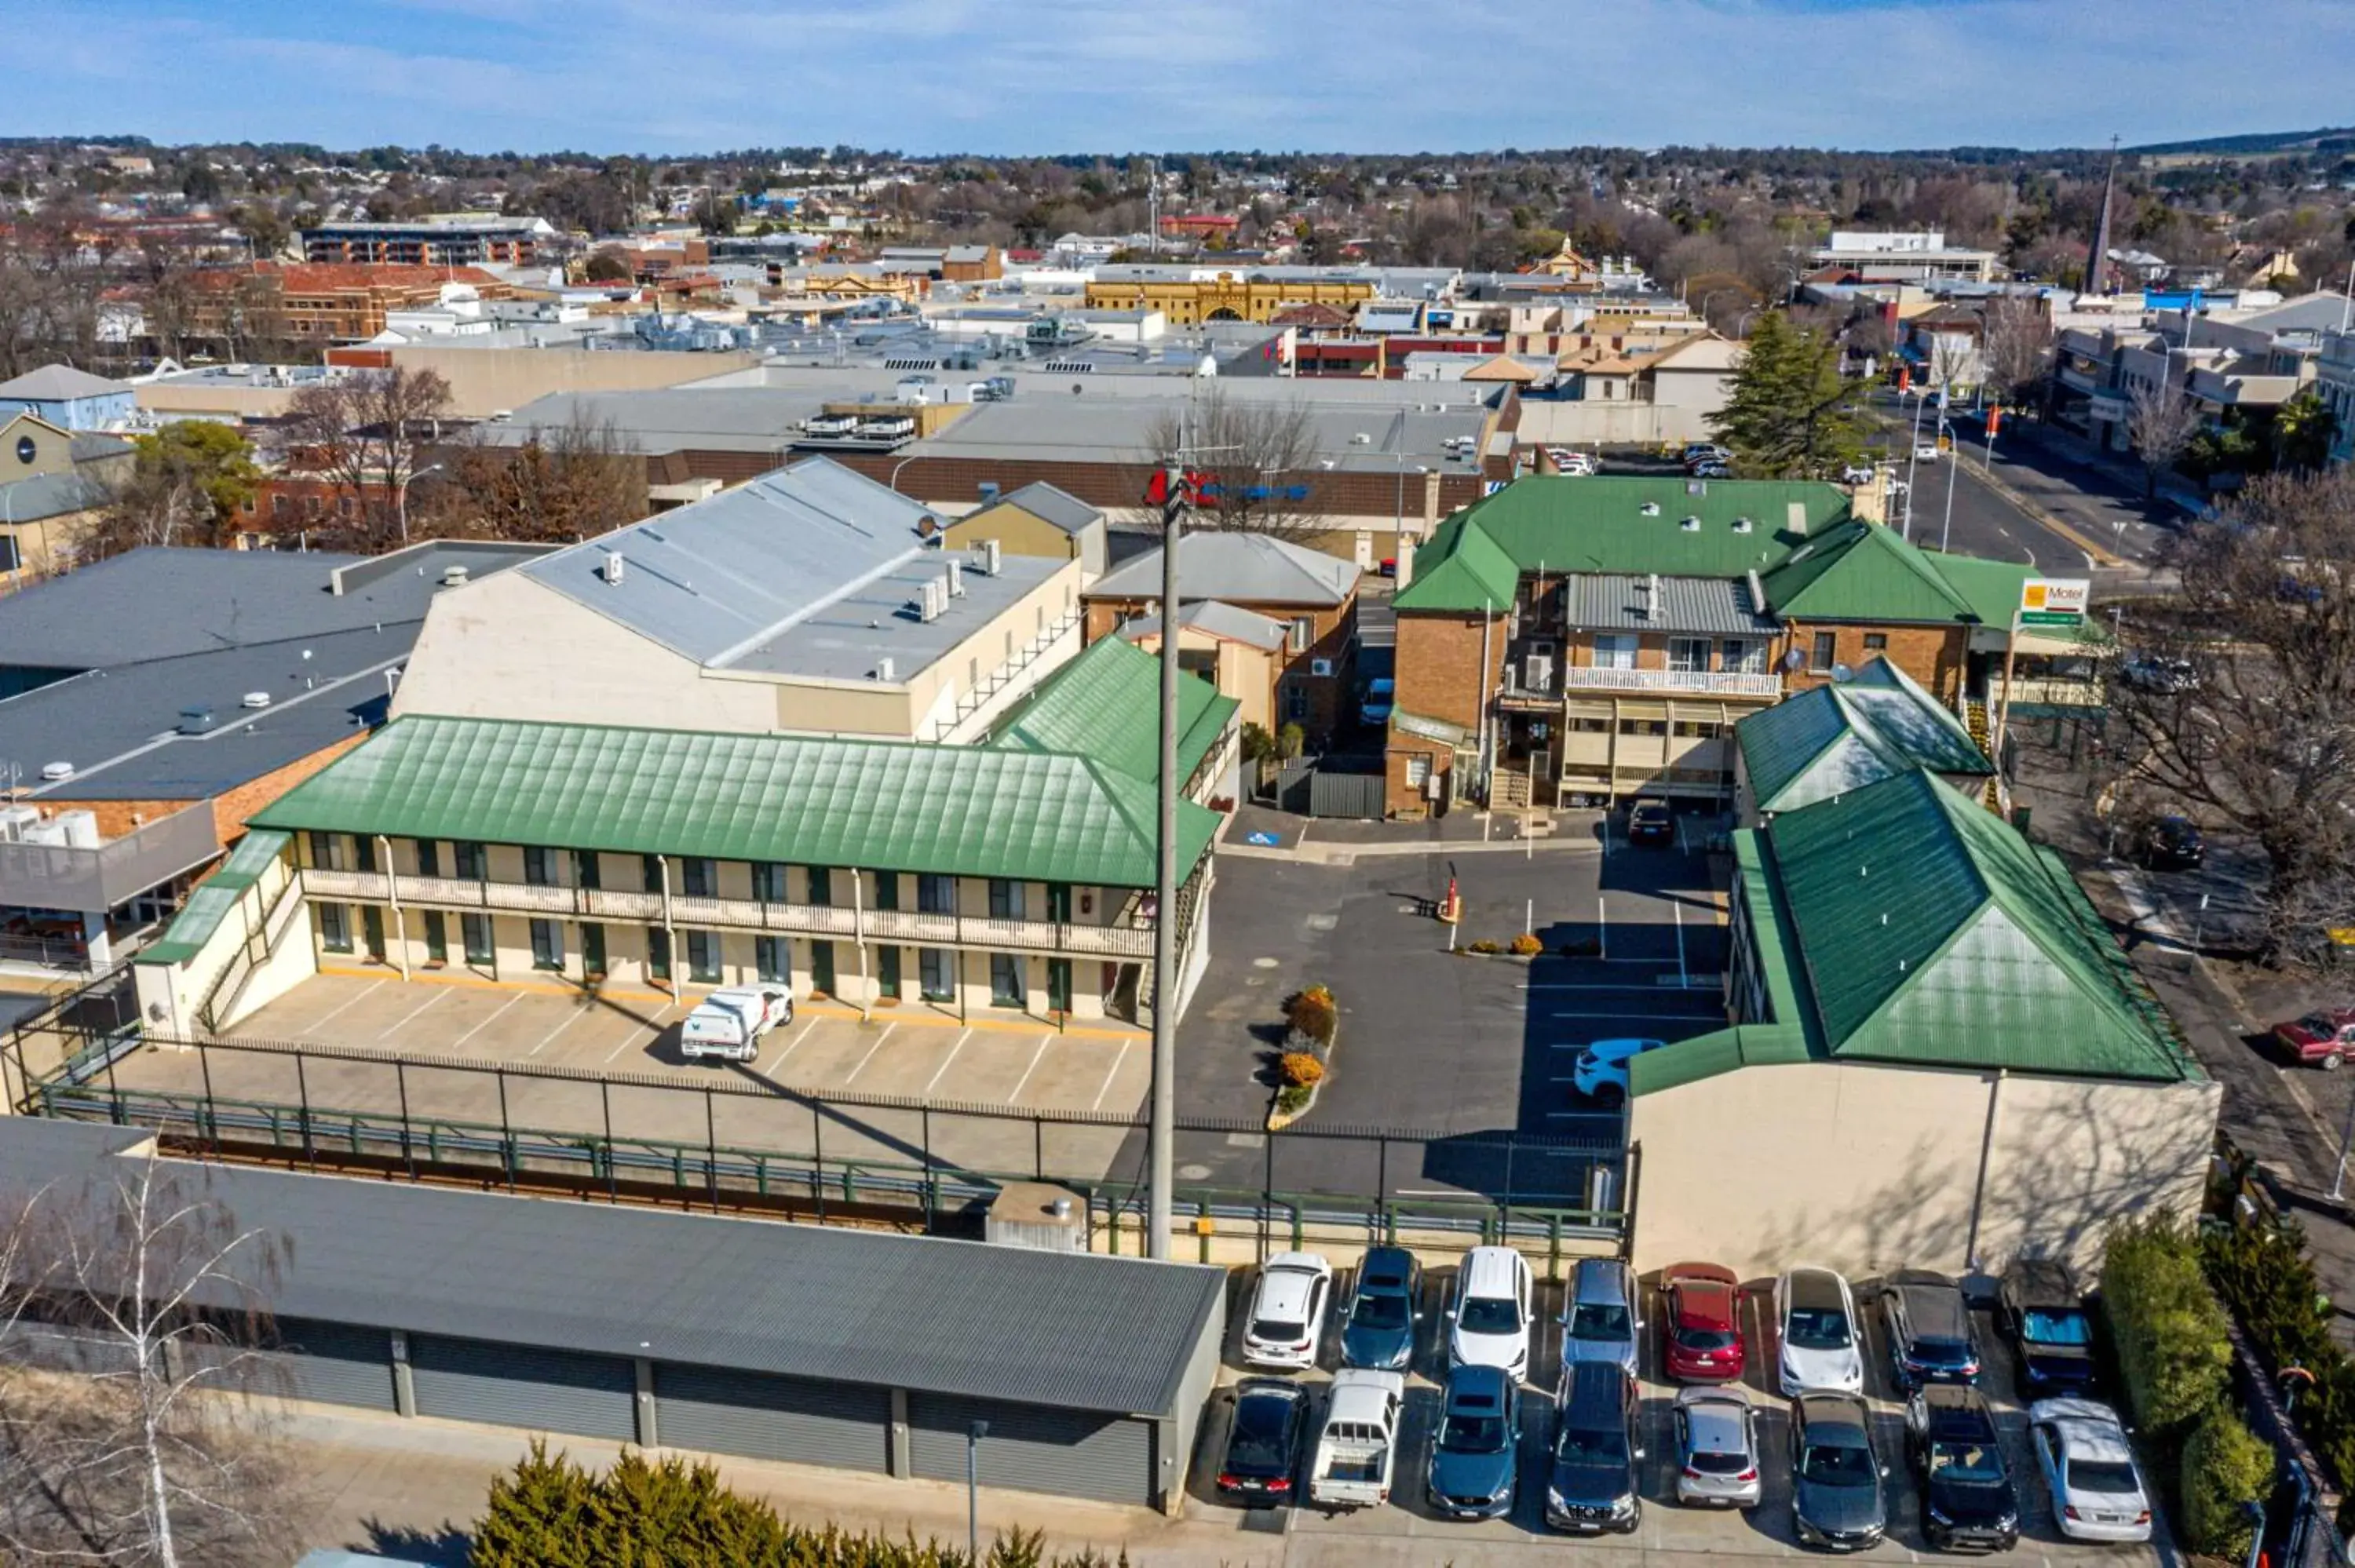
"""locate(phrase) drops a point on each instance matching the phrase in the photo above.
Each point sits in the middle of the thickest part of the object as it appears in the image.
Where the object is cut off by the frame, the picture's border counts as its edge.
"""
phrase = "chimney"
(955, 582)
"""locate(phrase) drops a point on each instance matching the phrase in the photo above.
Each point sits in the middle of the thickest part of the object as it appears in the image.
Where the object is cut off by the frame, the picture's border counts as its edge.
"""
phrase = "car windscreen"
(1836, 1464)
(1599, 1320)
(1707, 1339)
(2066, 1325)
(1490, 1314)
(1576, 1446)
(1965, 1462)
(1258, 1436)
(1818, 1329)
(2111, 1477)
(1461, 1433)
(1378, 1312)
(1276, 1329)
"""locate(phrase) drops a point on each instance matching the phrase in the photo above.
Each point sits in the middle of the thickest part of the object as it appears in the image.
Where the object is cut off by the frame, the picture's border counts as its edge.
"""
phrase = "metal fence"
(741, 1142)
(1331, 787)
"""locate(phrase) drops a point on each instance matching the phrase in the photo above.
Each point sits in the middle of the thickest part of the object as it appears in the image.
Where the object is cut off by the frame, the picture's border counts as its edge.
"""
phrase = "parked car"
(1599, 1071)
(1706, 452)
(727, 1025)
(1711, 471)
(1602, 1316)
(2158, 673)
(2174, 843)
(2039, 1310)
(1592, 1482)
(1381, 695)
(1969, 1501)
(1651, 822)
(1815, 1316)
(1702, 1313)
(1717, 1447)
(2320, 1039)
(1475, 1458)
(1857, 473)
(2089, 1470)
(1575, 464)
(1489, 1313)
(1357, 1445)
(1287, 1311)
(1384, 1311)
(1264, 1441)
(1928, 1326)
(1838, 1501)
(1926, 452)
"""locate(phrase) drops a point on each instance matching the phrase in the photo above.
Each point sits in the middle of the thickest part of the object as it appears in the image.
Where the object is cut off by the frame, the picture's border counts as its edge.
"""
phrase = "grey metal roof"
(1096, 428)
(669, 419)
(721, 580)
(59, 384)
(1245, 568)
(1608, 603)
(846, 637)
(1218, 618)
(1080, 1331)
(88, 446)
(1059, 507)
(118, 725)
(158, 603)
(49, 495)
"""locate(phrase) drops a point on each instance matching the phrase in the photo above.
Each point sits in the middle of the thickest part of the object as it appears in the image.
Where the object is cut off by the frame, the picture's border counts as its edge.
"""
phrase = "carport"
(848, 1349)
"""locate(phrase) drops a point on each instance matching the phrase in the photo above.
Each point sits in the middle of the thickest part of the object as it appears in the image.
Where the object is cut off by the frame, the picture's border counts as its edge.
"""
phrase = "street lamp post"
(401, 495)
(973, 1436)
(1954, 462)
(1920, 395)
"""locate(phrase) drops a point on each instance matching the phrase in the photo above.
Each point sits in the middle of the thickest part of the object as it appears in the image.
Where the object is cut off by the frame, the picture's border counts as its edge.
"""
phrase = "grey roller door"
(1033, 1449)
(515, 1385)
(57, 1349)
(845, 1425)
(336, 1364)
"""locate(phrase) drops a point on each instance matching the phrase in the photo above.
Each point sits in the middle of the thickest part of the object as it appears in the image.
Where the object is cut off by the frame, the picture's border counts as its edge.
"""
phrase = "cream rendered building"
(808, 602)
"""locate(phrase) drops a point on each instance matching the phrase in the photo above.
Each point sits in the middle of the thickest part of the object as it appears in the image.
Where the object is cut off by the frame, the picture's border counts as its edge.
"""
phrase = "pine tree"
(1789, 415)
(539, 1515)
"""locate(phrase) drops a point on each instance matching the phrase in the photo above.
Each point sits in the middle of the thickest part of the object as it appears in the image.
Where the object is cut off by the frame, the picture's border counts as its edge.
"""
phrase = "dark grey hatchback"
(1838, 1501)
(1380, 1330)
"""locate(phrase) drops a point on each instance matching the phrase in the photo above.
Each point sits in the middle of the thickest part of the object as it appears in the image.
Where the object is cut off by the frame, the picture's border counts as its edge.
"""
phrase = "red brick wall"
(1933, 655)
(1335, 637)
(1440, 676)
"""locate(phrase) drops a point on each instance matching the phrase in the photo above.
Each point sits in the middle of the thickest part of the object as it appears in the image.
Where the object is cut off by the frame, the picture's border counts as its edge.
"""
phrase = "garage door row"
(753, 1414)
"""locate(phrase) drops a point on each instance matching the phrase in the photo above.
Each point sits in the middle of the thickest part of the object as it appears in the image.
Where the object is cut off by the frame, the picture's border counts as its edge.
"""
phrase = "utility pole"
(1162, 1132)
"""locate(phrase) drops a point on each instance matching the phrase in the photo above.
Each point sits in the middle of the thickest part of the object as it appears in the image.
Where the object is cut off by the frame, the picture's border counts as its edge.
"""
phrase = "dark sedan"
(1380, 1330)
(1475, 1459)
(2174, 843)
(1929, 1331)
(1838, 1501)
(1650, 822)
(1265, 1441)
(1969, 1501)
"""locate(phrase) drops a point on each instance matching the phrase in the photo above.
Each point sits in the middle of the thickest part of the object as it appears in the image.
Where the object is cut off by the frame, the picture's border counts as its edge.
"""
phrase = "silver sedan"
(1717, 1447)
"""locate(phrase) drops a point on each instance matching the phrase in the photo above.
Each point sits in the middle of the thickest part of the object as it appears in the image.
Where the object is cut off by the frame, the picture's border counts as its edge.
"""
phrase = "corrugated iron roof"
(1931, 931)
(1052, 506)
(1241, 568)
(1624, 603)
(1106, 703)
(893, 805)
(1860, 571)
(1077, 1330)
(211, 901)
(1841, 738)
(1216, 617)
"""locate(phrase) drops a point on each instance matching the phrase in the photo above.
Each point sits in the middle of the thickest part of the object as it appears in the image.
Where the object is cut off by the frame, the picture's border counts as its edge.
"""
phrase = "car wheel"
(2331, 1064)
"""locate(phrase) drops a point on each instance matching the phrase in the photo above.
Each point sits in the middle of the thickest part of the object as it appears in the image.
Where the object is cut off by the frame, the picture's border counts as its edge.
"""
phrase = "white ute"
(1359, 1443)
(728, 1023)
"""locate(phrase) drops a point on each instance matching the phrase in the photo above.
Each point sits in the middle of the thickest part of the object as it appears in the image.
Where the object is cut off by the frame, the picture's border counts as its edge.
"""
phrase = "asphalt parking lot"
(1671, 1532)
(1013, 1064)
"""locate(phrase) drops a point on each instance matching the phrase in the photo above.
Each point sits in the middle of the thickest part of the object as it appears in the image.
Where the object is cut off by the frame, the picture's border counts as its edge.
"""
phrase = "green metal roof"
(1462, 568)
(1861, 571)
(895, 805)
(214, 899)
(1929, 931)
(1990, 587)
(1106, 705)
(1711, 1055)
(1832, 739)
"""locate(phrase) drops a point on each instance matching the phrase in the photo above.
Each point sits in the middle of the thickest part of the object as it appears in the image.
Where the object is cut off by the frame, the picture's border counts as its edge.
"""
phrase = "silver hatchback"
(1717, 1447)
(1601, 1317)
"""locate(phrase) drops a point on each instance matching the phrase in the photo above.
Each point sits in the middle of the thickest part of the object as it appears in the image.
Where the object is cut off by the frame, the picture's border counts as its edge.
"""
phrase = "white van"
(728, 1024)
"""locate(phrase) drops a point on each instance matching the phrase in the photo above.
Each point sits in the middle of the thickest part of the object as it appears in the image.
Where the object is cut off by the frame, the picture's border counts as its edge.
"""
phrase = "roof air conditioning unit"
(54, 771)
(883, 670)
(614, 566)
(254, 700)
(993, 557)
(955, 584)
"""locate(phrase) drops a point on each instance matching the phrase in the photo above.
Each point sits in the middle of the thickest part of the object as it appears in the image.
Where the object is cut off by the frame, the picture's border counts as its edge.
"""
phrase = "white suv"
(1488, 1311)
(1287, 1311)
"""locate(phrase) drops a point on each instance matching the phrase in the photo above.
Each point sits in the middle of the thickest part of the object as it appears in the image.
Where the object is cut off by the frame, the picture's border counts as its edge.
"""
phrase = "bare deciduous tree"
(130, 1314)
(1259, 456)
(2160, 422)
(572, 481)
(2240, 706)
(362, 434)
(2018, 338)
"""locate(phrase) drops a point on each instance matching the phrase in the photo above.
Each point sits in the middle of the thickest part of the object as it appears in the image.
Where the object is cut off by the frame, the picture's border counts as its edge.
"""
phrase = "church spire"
(2097, 255)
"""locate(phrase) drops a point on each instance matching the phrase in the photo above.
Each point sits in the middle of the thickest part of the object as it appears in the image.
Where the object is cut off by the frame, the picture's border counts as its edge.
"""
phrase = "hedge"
(2170, 1334)
(553, 1513)
(2226, 1466)
(2266, 1277)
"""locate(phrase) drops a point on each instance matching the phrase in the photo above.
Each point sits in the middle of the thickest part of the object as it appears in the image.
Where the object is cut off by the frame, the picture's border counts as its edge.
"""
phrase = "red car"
(1703, 1322)
(2323, 1038)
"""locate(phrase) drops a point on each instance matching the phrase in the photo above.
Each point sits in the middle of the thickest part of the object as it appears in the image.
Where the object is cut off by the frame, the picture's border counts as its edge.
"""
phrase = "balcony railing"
(898, 927)
(1707, 683)
(55, 876)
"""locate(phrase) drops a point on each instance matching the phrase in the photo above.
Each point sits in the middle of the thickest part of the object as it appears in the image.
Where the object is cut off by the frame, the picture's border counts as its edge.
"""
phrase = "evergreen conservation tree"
(1790, 415)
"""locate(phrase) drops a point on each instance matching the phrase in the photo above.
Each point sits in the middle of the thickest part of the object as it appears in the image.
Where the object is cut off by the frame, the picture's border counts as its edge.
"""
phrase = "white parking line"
(478, 1028)
(1035, 1056)
(871, 1053)
(347, 1002)
(946, 1060)
(1118, 1058)
(808, 1023)
(653, 1032)
(569, 1019)
(392, 1029)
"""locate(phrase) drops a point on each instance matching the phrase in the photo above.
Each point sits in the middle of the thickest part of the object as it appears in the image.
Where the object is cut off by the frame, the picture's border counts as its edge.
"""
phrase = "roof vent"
(1742, 525)
(1691, 524)
(196, 721)
(53, 772)
(614, 566)
(453, 577)
(955, 584)
(1650, 509)
(883, 669)
(254, 700)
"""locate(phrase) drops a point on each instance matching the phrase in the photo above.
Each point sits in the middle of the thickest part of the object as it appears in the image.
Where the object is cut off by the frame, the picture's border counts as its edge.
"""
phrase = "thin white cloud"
(1084, 75)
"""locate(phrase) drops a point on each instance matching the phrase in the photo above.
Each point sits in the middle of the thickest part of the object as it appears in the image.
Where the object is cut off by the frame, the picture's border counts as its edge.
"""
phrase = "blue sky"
(1042, 76)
